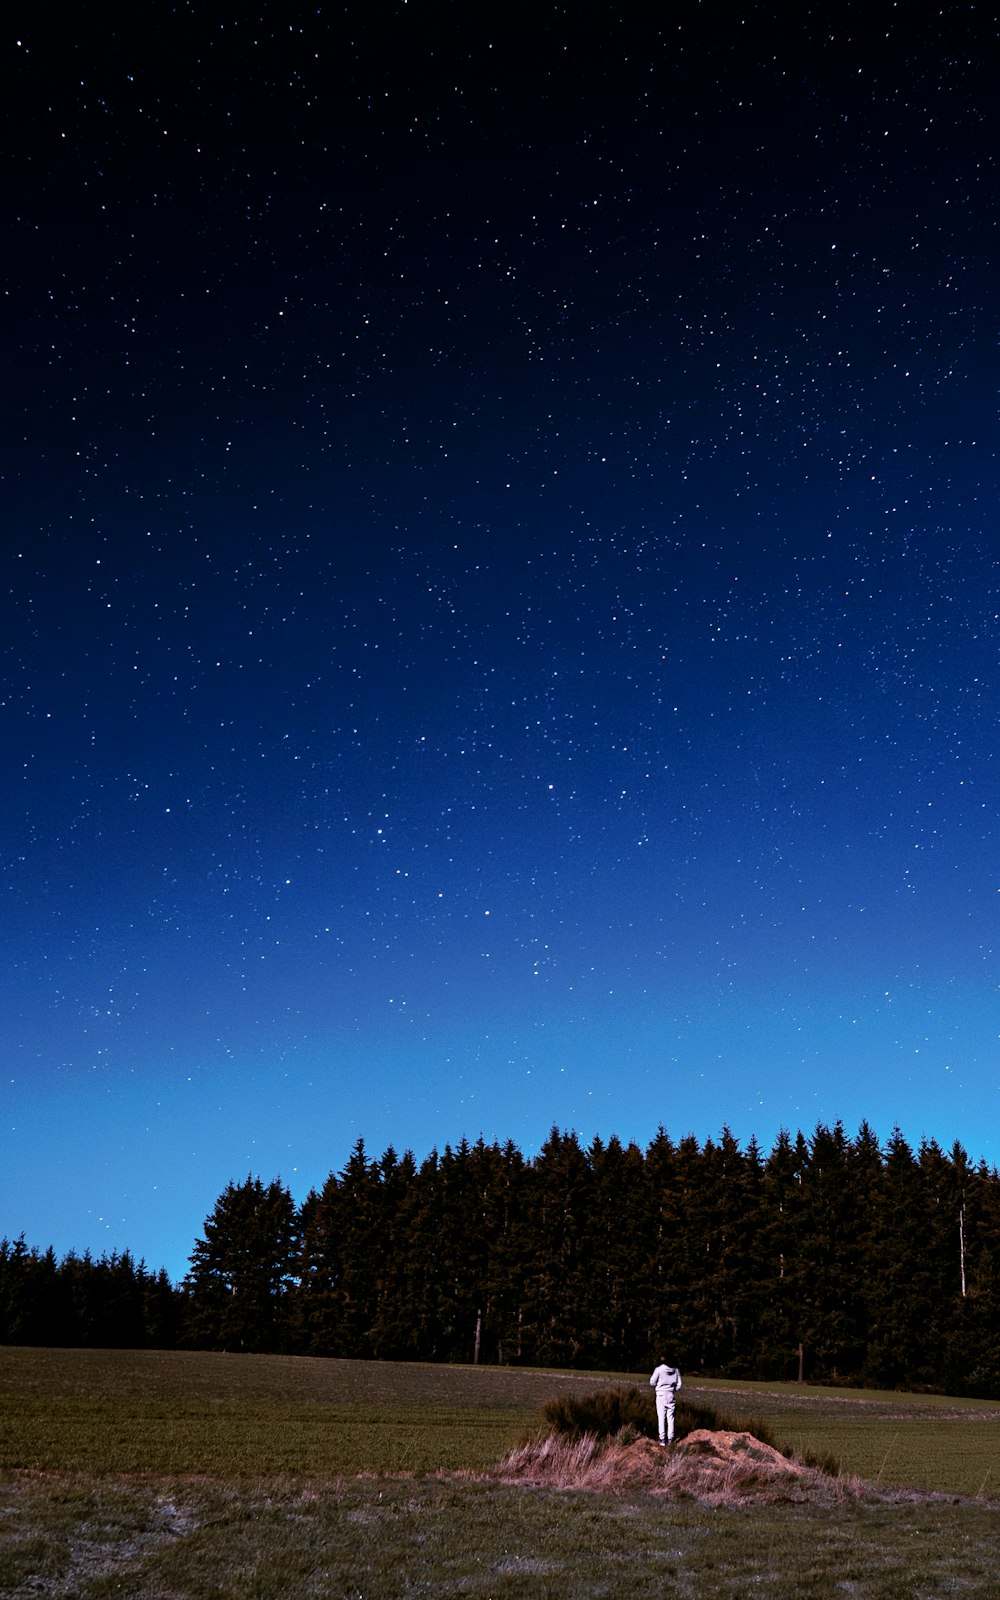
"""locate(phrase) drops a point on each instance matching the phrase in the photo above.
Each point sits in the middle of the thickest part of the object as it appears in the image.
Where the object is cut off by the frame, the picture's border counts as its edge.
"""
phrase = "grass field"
(214, 1477)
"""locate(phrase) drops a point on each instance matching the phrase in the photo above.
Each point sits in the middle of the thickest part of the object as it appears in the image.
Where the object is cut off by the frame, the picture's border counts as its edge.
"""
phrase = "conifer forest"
(828, 1258)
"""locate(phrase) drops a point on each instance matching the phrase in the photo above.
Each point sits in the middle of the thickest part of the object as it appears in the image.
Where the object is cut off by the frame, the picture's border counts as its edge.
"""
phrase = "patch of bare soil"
(713, 1468)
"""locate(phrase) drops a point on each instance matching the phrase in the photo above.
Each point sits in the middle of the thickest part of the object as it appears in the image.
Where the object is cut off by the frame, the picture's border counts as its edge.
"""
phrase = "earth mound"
(714, 1468)
(730, 1448)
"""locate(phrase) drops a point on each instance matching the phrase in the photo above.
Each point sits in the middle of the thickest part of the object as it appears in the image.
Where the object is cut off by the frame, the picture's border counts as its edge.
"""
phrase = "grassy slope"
(246, 1489)
(922, 1441)
(158, 1412)
(217, 1415)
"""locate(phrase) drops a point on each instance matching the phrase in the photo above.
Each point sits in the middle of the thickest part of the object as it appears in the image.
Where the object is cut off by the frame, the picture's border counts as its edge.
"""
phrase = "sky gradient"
(501, 584)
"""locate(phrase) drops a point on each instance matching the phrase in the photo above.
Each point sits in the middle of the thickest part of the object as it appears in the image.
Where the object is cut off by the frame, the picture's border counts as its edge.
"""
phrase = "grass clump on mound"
(628, 1414)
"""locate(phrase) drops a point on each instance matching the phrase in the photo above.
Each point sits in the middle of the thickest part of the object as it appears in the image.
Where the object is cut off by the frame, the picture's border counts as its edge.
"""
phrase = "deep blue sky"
(500, 590)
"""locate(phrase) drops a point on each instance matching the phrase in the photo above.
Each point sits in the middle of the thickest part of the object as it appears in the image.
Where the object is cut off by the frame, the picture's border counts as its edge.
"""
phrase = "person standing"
(666, 1380)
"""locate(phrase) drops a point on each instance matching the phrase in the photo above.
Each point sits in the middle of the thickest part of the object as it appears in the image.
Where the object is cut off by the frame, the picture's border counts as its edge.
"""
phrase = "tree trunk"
(961, 1246)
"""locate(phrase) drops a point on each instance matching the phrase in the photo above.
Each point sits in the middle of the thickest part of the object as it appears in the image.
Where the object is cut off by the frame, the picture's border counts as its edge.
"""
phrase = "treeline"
(829, 1256)
(112, 1303)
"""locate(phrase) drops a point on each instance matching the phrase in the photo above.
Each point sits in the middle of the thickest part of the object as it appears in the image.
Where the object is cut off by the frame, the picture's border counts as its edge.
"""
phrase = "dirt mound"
(739, 1448)
(712, 1468)
(720, 1468)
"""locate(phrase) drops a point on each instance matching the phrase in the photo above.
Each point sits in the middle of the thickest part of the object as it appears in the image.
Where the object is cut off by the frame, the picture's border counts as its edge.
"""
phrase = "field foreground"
(210, 1478)
(383, 1538)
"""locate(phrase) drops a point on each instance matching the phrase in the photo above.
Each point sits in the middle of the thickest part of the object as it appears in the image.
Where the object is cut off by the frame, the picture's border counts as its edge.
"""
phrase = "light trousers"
(665, 1400)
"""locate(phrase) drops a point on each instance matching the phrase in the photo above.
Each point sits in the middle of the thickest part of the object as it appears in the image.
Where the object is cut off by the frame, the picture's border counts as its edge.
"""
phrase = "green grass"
(209, 1477)
(387, 1538)
(216, 1415)
(164, 1412)
(928, 1442)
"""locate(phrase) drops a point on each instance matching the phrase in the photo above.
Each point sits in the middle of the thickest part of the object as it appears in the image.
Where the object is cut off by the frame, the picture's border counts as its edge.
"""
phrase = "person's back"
(666, 1377)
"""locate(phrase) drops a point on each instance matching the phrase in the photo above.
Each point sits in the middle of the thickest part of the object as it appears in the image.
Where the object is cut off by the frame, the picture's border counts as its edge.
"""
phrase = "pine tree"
(664, 1281)
(116, 1296)
(558, 1198)
(509, 1255)
(359, 1225)
(833, 1227)
(613, 1329)
(477, 1207)
(162, 1311)
(746, 1299)
(720, 1205)
(398, 1319)
(692, 1254)
(35, 1308)
(416, 1272)
(972, 1364)
(315, 1306)
(777, 1253)
(242, 1270)
(899, 1347)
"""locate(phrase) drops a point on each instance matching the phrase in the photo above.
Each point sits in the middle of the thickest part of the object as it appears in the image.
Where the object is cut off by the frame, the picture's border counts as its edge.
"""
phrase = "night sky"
(500, 588)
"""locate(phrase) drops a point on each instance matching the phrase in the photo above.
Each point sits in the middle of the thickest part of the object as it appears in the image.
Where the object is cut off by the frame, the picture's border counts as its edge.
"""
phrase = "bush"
(602, 1414)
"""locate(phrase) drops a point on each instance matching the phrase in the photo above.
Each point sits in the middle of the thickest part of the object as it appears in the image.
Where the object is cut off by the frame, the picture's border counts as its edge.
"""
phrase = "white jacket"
(666, 1379)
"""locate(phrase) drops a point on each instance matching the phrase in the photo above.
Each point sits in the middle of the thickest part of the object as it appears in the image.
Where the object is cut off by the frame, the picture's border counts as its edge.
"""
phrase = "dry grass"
(711, 1468)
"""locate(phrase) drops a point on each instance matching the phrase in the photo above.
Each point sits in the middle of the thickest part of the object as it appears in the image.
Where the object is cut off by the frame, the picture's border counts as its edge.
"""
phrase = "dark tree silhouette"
(830, 1256)
(242, 1270)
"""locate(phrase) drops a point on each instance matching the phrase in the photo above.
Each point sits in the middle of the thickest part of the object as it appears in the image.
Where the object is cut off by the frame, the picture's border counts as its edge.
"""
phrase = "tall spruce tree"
(362, 1245)
(414, 1274)
(509, 1254)
(115, 1293)
(973, 1355)
(398, 1330)
(461, 1253)
(692, 1261)
(315, 1312)
(613, 1327)
(161, 1311)
(663, 1282)
(746, 1302)
(555, 1283)
(832, 1226)
(478, 1201)
(726, 1219)
(242, 1270)
(777, 1251)
(35, 1306)
(899, 1347)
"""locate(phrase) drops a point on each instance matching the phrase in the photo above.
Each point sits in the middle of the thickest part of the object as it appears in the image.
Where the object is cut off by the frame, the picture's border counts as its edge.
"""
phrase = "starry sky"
(500, 588)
